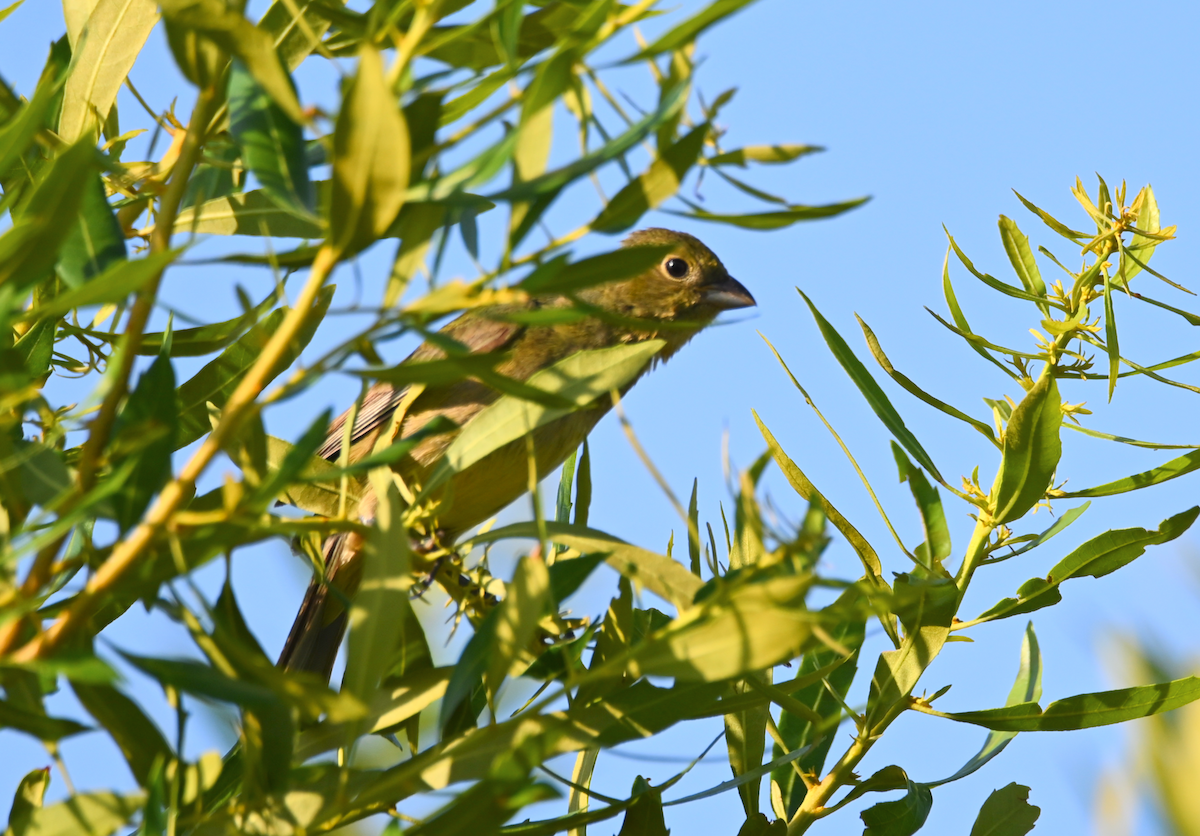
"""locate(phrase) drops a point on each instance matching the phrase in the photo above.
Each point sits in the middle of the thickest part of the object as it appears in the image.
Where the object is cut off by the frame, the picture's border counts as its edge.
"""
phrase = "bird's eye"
(677, 268)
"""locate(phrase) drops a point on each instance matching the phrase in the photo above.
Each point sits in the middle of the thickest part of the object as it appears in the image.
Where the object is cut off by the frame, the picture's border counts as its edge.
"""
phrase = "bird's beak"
(728, 294)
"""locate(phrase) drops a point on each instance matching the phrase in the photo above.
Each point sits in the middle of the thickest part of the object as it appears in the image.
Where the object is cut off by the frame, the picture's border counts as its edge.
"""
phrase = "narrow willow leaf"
(146, 431)
(929, 503)
(96, 242)
(800, 732)
(806, 489)
(566, 479)
(1096, 558)
(375, 616)
(1032, 448)
(223, 25)
(686, 32)
(29, 248)
(526, 601)
(1026, 688)
(763, 154)
(1085, 711)
(774, 220)
(111, 286)
(115, 32)
(996, 284)
(1141, 248)
(1165, 472)
(370, 158)
(1016, 244)
(745, 742)
(251, 213)
(580, 378)
(902, 817)
(694, 531)
(1036, 540)
(36, 724)
(584, 165)
(135, 734)
(27, 800)
(960, 320)
(657, 183)
(1007, 812)
(1057, 226)
(1191, 318)
(217, 380)
(752, 627)
(598, 269)
(272, 144)
(94, 813)
(663, 576)
(929, 606)
(876, 399)
(1110, 336)
(913, 389)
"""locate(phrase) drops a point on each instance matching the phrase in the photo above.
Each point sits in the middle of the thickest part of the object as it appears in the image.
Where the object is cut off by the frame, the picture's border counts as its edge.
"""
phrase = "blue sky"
(937, 111)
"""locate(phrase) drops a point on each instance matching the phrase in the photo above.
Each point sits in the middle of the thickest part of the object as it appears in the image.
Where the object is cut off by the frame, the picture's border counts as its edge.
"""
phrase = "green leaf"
(996, 284)
(113, 285)
(913, 389)
(773, 220)
(580, 378)
(1086, 711)
(215, 179)
(689, 30)
(558, 277)
(146, 430)
(1007, 812)
(800, 732)
(1171, 470)
(763, 154)
(272, 144)
(750, 627)
(694, 531)
(27, 800)
(1016, 244)
(29, 248)
(567, 574)
(902, 817)
(878, 401)
(252, 213)
(1141, 247)
(526, 601)
(217, 380)
(1026, 688)
(745, 742)
(1096, 558)
(665, 577)
(103, 57)
(926, 608)
(376, 621)
(964, 328)
(34, 723)
(93, 813)
(1060, 228)
(370, 158)
(223, 25)
(801, 484)
(657, 183)
(1111, 344)
(645, 815)
(929, 503)
(1032, 448)
(556, 179)
(135, 734)
(96, 242)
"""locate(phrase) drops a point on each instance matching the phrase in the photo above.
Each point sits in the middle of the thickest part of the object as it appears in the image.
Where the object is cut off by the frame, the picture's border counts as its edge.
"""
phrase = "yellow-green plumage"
(685, 301)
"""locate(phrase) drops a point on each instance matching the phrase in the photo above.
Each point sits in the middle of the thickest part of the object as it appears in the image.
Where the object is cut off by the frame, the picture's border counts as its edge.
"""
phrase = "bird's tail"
(317, 632)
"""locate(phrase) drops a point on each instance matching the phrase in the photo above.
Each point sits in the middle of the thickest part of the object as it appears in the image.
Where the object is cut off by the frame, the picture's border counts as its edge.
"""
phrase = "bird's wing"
(479, 334)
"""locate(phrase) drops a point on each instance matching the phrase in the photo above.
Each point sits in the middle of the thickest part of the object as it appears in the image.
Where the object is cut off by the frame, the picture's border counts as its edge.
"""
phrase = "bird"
(673, 301)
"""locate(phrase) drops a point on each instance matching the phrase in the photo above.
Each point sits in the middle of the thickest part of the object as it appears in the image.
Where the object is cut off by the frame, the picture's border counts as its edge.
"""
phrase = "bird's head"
(688, 284)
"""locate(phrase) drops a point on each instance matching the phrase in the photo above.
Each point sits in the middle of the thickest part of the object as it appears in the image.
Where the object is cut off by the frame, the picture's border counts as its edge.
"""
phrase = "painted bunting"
(687, 288)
